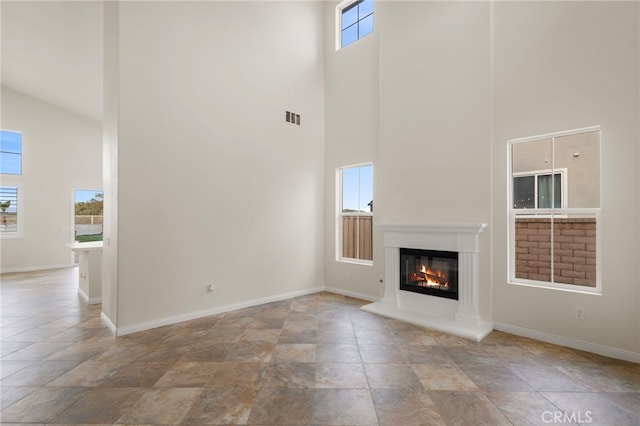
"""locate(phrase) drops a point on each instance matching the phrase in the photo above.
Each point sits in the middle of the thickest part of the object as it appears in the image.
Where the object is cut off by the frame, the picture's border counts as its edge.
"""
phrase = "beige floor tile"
(80, 351)
(229, 405)
(405, 407)
(87, 374)
(234, 374)
(36, 351)
(12, 367)
(100, 405)
(524, 408)
(283, 406)
(467, 408)
(392, 376)
(42, 405)
(415, 337)
(162, 406)
(137, 374)
(39, 373)
(596, 406)
(289, 375)
(344, 407)
(294, 352)
(260, 335)
(547, 378)
(340, 375)
(250, 352)
(427, 354)
(337, 352)
(443, 377)
(314, 359)
(11, 394)
(382, 354)
(188, 375)
(495, 378)
(375, 337)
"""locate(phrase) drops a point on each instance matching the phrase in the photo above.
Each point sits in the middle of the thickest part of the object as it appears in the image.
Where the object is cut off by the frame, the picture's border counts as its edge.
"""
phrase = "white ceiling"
(52, 50)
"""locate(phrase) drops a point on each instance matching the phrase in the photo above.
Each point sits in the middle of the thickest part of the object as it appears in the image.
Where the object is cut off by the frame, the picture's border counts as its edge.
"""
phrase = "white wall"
(396, 97)
(213, 185)
(453, 82)
(61, 151)
(351, 137)
(560, 66)
(435, 156)
(110, 98)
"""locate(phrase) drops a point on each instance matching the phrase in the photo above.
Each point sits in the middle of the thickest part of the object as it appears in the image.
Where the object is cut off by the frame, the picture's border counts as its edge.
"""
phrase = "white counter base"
(90, 271)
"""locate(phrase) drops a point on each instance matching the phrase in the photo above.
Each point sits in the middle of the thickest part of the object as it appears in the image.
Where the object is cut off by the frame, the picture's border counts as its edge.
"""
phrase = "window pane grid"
(555, 242)
(356, 215)
(349, 16)
(9, 209)
(356, 21)
(349, 26)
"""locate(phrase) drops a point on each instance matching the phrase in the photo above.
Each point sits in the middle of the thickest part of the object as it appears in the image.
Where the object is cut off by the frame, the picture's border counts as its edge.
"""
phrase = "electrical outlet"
(210, 288)
(580, 314)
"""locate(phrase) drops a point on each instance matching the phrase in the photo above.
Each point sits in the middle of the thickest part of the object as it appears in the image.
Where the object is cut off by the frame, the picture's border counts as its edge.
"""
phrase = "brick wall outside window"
(574, 250)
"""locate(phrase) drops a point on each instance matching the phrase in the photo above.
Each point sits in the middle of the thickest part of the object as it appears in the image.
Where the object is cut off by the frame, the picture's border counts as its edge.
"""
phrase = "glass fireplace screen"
(429, 272)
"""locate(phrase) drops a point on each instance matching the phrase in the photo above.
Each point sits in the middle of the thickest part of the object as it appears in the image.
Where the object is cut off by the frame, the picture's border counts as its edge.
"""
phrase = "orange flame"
(430, 274)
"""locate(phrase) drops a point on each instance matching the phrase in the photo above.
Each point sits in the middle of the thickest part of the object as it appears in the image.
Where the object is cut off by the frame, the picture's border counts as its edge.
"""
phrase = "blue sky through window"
(10, 152)
(82, 195)
(356, 21)
(357, 188)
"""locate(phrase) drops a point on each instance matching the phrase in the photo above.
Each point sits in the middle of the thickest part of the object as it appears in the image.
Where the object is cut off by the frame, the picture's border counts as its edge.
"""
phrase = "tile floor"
(315, 359)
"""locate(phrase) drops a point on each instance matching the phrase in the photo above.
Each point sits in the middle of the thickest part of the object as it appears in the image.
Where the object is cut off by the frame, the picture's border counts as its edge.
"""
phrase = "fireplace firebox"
(431, 272)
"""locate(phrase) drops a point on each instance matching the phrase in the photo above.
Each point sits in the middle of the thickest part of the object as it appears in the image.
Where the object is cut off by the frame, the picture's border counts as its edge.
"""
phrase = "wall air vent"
(292, 118)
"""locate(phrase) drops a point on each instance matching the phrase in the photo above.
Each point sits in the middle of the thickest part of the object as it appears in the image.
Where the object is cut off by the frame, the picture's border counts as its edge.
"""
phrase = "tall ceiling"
(52, 50)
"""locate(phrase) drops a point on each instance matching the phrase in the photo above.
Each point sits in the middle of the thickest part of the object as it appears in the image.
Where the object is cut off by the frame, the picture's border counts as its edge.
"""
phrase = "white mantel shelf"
(458, 228)
(458, 317)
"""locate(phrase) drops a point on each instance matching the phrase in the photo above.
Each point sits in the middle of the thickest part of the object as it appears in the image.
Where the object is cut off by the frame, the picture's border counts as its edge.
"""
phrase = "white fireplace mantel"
(459, 317)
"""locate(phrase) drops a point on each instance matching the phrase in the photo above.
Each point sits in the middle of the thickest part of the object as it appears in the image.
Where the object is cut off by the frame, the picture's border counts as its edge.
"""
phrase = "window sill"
(12, 236)
(593, 291)
(355, 261)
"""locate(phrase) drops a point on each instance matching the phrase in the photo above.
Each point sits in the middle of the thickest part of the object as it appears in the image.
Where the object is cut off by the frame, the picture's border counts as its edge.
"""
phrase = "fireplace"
(432, 272)
(452, 248)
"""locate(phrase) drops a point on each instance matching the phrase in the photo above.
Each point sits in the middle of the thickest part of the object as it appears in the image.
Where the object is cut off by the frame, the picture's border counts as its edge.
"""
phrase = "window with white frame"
(10, 221)
(355, 214)
(554, 205)
(10, 152)
(354, 20)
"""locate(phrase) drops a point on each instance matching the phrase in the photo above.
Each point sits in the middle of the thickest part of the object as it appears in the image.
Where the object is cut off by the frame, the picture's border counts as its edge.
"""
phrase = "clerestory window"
(354, 20)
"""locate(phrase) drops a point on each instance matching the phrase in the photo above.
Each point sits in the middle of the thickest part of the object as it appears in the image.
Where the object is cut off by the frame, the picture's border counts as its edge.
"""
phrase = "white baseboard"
(569, 342)
(89, 301)
(353, 294)
(122, 331)
(84, 296)
(105, 319)
(35, 268)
